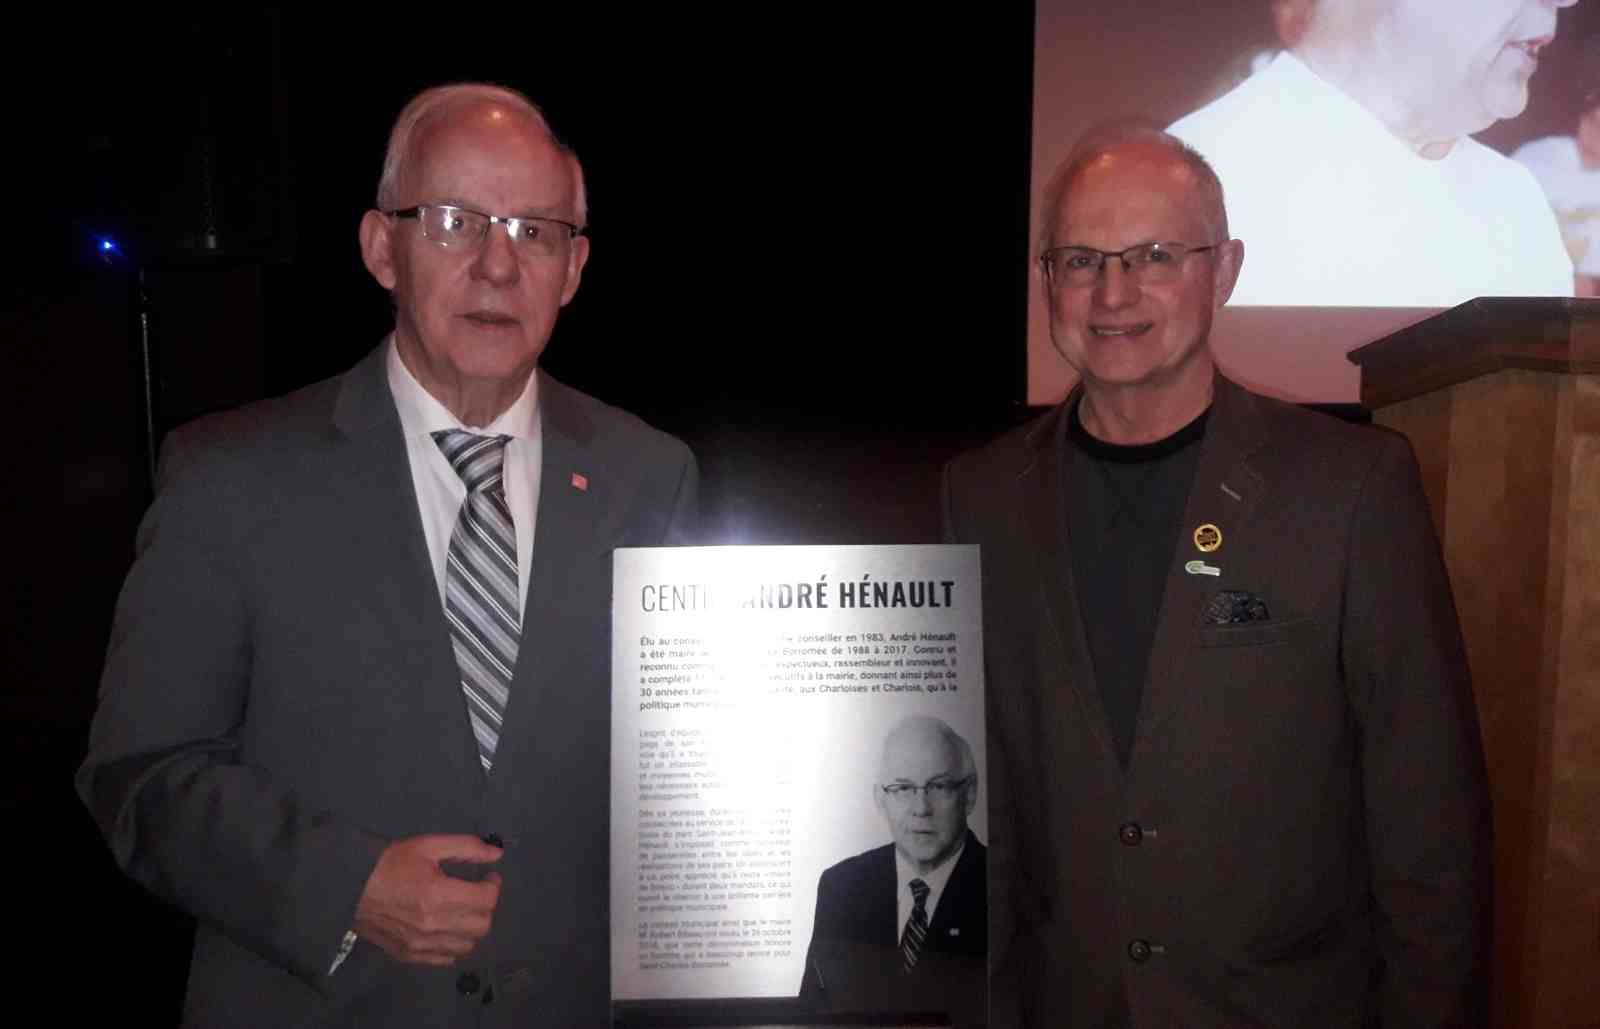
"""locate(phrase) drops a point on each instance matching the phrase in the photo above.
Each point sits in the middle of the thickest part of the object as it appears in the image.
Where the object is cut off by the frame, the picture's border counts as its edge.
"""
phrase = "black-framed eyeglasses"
(451, 226)
(937, 790)
(1153, 263)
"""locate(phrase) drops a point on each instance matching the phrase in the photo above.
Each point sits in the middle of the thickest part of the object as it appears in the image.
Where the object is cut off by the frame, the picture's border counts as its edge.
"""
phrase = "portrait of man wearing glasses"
(354, 713)
(904, 927)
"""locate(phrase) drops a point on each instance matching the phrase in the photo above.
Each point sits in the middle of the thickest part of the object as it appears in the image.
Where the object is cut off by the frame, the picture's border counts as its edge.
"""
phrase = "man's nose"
(1116, 286)
(496, 259)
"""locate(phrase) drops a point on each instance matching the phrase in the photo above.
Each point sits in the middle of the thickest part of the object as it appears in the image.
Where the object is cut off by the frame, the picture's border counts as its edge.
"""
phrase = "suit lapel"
(1044, 499)
(382, 501)
(962, 899)
(881, 900)
(1228, 490)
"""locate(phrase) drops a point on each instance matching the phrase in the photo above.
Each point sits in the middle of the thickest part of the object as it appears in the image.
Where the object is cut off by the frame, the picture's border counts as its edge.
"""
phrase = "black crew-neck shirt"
(1124, 507)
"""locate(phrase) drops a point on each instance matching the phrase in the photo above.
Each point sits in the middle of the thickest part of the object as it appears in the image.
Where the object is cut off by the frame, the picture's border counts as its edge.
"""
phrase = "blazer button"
(467, 984)
(1139, 951)
(1130, 834)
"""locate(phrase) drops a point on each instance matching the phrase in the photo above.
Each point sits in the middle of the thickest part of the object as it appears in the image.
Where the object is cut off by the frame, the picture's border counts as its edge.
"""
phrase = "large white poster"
(779, 712)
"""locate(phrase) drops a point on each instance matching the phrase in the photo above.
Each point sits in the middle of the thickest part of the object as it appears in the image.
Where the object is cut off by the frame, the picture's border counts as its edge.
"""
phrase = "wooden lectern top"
(1479, 337)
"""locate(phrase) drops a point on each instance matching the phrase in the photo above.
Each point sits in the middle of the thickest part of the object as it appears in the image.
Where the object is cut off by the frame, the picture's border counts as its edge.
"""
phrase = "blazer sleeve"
(162, 779)
(1422, 768)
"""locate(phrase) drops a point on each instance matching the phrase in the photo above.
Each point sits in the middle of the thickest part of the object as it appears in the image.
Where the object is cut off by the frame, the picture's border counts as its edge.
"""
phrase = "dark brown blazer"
(280, 699)
(1301, 837)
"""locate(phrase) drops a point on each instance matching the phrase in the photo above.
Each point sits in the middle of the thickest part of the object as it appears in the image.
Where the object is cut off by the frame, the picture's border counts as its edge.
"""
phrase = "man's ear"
(969, 796)
(377, 248)
(1230, 258)
(1042, 278)
(578, 257)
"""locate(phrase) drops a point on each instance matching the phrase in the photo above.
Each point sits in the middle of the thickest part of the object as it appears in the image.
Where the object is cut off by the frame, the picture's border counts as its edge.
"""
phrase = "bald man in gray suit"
(354, 716)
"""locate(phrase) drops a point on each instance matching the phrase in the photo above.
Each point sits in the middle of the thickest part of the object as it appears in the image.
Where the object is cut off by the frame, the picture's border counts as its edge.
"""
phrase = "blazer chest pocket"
(1253, 634)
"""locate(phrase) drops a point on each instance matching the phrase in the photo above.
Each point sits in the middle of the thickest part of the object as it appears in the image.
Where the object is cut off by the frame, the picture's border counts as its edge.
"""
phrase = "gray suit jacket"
(1301, 837)
(280, 700)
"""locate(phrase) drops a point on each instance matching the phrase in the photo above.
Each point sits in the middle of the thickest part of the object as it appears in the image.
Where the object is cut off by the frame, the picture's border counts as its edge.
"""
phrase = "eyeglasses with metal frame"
(1152, 263)
(935, 790)
(449, 225)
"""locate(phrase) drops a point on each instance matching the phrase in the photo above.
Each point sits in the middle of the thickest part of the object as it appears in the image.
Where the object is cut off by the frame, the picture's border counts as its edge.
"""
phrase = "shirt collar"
(1353, 128)
(936, 878)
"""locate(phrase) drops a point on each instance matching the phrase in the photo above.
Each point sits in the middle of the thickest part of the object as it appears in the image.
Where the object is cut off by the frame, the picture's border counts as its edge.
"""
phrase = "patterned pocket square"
(1235, 607)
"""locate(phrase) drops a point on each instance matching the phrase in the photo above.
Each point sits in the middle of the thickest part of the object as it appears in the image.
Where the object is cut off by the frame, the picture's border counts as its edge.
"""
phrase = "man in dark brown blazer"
(1235, 771)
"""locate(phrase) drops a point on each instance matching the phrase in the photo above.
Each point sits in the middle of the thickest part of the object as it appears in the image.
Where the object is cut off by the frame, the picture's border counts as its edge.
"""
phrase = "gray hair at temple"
(441, 100)
(1101, 139)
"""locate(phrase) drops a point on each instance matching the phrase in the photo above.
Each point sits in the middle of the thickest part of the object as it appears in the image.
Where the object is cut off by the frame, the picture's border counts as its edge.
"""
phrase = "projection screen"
(1351, 228)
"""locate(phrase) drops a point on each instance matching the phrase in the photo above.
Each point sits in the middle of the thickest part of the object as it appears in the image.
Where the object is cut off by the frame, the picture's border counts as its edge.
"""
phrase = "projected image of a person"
(1568, 167)
(1348, 162)
(904, 927)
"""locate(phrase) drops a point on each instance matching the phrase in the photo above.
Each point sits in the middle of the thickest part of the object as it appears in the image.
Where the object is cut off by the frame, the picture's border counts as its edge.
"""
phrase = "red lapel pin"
(580, 482)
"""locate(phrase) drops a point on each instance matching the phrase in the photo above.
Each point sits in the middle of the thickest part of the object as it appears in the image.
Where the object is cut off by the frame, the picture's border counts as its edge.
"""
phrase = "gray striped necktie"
(916, 926)
(480, 592)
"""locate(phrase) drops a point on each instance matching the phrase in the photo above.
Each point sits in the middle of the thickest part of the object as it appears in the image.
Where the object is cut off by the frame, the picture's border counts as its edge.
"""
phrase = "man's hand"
(417, 913)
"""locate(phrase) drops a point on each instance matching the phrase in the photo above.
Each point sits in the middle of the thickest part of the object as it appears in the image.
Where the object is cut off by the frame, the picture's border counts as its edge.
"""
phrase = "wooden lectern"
(1501, 399)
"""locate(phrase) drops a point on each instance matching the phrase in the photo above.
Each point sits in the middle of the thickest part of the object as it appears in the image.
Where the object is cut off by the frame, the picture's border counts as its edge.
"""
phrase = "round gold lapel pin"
(1208, 538)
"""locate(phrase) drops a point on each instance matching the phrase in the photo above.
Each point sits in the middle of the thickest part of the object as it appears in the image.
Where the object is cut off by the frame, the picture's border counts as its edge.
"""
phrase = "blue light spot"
(108, 250)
